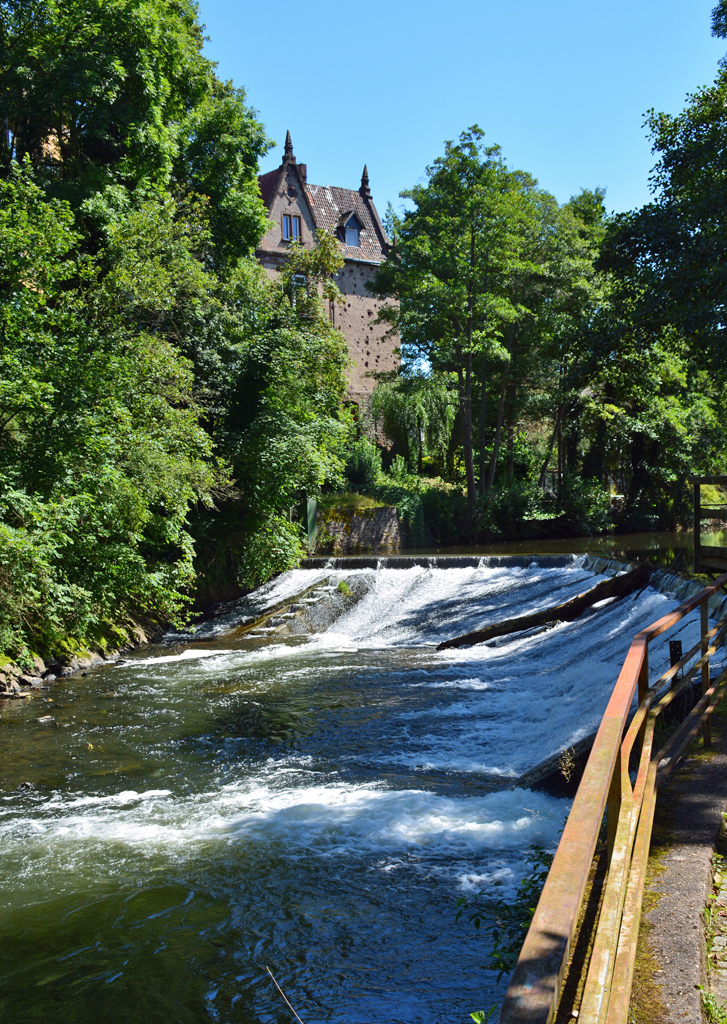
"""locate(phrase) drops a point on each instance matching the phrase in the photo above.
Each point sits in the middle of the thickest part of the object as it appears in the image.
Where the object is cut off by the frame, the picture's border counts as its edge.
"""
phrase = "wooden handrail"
(537, 980)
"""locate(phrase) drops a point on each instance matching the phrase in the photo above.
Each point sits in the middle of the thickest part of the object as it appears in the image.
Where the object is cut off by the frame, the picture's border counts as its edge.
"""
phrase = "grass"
(714, 1012)
(349, 500)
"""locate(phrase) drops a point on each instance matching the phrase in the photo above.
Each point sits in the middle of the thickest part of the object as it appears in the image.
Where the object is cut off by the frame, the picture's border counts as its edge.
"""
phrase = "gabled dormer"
(349, 229)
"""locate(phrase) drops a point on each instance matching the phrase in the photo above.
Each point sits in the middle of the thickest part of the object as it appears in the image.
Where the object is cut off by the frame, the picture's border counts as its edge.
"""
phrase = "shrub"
(584, 506)
(363, 465)
(502, 509)
(276, 545)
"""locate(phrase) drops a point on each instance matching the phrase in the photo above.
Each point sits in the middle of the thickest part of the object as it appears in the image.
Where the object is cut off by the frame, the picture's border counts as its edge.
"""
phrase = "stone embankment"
(343, 531)
(17, 683)
(314, 611)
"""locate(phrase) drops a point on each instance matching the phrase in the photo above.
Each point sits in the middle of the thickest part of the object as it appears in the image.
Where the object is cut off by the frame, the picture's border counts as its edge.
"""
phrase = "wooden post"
(643, 687)
(697, 524)
(704, 610)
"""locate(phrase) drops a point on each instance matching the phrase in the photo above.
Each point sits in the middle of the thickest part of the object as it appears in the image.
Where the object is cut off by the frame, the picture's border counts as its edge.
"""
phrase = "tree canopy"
(112, 99)
(156, 389)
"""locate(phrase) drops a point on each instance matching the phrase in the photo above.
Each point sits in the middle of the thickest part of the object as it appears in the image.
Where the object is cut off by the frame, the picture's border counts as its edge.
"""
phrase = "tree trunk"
(567, 611)
(553, 438)
(498, 428)
(455, 440)
(637, 488)
(483, 436)
(512, 347)
(464, 374)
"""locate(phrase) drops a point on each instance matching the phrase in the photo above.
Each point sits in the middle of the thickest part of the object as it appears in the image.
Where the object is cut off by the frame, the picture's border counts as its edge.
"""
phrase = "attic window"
(291, 228)
(352, 230)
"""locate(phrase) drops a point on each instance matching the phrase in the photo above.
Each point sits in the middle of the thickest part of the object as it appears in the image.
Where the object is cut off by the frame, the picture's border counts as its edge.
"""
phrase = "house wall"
(287, 199)
(368, 347)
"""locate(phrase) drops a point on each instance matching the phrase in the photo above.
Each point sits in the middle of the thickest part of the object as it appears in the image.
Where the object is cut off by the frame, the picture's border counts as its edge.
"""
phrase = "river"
(172, 824)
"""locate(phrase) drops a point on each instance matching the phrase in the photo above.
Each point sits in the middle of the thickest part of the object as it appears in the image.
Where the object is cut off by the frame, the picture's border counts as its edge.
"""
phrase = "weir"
(245, 796)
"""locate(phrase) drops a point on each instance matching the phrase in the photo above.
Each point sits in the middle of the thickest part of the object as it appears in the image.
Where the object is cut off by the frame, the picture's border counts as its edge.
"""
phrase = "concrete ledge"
(689, 813)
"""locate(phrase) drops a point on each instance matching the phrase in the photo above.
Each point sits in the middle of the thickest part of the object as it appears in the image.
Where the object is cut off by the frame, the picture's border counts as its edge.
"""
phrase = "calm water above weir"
(172, 824)
(659, 548)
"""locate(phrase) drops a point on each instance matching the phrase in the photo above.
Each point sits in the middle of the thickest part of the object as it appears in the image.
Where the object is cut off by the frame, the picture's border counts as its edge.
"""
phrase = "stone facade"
(297, 209)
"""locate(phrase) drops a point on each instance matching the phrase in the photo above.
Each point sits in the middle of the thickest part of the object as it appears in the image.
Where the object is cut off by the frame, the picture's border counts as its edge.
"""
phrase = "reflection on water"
(173, 824)
(660, 548)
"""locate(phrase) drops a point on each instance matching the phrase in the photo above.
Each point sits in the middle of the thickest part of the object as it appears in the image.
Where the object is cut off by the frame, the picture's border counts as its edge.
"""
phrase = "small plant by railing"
(510, 917)
(606, 785)
(714, 1012)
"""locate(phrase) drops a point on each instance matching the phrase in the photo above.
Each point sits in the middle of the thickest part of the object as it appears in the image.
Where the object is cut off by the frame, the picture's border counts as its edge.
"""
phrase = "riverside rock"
(31, 681)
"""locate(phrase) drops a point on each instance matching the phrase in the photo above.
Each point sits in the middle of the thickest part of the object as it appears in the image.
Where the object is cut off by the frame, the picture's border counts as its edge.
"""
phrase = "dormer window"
(349, 230)
(291, 228)
(353, 232)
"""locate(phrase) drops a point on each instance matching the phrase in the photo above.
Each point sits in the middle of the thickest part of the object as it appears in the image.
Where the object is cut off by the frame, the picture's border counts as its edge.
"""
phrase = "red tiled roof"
(267, 183)
(330, 203)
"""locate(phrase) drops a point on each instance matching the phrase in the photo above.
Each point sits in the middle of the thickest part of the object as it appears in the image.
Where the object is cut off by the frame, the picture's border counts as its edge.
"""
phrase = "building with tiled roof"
(297, 210)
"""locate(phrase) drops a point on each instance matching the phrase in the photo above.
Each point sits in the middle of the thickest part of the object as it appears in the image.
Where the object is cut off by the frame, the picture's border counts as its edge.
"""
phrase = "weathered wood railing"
(606, 786)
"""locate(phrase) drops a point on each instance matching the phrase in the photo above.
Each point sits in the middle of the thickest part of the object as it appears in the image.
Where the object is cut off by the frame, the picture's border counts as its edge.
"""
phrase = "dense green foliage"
(156, 389)
(101, 452)
(113, 98)
(584, 353)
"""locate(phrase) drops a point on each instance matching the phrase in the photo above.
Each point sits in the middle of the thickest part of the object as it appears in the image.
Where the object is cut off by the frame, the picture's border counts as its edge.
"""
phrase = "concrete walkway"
(686, 832)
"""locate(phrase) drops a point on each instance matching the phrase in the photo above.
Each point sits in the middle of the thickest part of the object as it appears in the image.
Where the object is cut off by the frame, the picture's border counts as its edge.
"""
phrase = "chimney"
(303, 172)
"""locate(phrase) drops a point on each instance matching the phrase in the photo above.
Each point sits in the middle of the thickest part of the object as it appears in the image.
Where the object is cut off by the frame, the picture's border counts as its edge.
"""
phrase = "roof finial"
(365, 190)
(288, 145)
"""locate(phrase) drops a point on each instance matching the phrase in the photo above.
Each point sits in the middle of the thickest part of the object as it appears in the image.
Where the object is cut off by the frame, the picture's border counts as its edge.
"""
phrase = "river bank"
(37, 674)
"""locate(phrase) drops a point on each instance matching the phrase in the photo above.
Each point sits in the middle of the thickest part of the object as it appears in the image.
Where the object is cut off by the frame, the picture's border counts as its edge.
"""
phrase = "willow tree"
(417, 413)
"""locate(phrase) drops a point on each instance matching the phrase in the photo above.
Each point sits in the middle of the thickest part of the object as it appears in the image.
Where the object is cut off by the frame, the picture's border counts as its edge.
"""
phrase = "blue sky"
(561, 85)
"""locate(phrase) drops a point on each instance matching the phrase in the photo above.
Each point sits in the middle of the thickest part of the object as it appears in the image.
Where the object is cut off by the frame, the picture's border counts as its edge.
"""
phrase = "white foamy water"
(283, 588)
(450, 837)
(548, 689)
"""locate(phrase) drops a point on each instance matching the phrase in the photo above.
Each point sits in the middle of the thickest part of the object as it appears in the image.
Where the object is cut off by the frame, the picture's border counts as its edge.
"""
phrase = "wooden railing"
(606, 786)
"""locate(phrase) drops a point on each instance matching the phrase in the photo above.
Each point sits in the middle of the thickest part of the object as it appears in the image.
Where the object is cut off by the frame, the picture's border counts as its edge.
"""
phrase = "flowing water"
(172, 824)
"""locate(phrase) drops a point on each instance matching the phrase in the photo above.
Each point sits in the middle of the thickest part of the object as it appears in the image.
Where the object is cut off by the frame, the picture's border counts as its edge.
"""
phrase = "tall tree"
(107, 98)
(450, 266)
(671, 254)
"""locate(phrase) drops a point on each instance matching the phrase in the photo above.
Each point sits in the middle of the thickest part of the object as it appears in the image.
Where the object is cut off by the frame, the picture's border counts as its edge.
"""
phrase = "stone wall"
(369, 348)
(343, 531)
